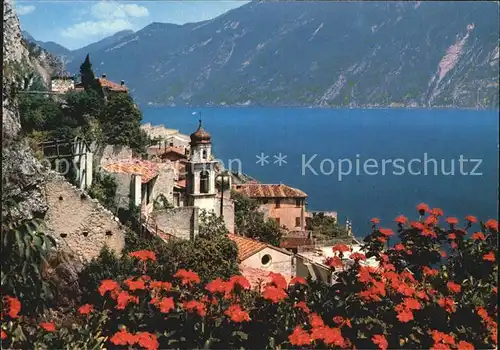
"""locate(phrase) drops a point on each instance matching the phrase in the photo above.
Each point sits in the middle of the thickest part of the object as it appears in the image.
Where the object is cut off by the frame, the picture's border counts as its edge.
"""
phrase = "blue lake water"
(315, 139)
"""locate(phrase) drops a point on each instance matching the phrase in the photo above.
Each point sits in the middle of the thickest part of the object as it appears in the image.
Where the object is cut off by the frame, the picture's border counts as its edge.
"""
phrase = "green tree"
(251, 223)
(121, 123)
(322, 225)
(88, 79)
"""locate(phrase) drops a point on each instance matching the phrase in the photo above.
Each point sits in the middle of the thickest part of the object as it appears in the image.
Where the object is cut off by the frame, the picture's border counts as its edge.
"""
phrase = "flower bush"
(435, 287)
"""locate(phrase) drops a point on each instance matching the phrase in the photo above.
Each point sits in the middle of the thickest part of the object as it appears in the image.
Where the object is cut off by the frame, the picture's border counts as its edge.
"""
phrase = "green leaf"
(240, 334)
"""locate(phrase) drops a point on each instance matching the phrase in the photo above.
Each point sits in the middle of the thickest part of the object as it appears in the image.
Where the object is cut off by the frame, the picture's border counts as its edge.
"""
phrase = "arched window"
(204, 154)
(204, 181)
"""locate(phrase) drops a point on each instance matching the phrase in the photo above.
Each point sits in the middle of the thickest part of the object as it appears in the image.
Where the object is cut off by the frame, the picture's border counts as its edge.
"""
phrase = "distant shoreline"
(329, 107)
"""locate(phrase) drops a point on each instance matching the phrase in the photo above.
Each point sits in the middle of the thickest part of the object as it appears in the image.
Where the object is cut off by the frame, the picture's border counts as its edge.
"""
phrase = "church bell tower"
(200, 181)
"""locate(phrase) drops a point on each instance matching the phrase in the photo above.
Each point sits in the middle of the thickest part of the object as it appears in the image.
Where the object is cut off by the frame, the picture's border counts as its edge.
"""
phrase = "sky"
(75, 24)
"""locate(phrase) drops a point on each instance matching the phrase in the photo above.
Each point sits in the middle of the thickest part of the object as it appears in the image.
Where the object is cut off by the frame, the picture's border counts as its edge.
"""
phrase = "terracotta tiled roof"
(181, 183)
(246, 246)
(171, 149)
(105, 83)
(294, 242)
(146, 169)
(258, 276)
(269, 191)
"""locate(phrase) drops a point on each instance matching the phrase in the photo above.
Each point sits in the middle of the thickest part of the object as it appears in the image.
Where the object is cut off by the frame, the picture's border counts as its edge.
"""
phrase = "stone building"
(282, 203)
(108, 86)
(61, 85)
(80, 225)
(196, 193)
(258, 259)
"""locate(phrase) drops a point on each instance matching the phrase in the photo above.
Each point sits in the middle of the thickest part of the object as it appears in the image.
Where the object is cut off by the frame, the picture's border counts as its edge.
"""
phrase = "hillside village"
(119, 235)
(179, 179)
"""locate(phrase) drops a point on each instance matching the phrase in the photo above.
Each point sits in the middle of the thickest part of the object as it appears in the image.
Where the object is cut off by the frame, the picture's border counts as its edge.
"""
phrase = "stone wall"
(78, 222)
(165, 182)
(228, 210)
(158, 131)
(180, 222)
(274, 261)
(124, 188)
(113, 154)
(62, 85)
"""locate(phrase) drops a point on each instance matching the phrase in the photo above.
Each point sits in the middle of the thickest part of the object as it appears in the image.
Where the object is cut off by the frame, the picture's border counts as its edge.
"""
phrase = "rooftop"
(248, 246)
(146, 169)
(254, 190)
(105, 83)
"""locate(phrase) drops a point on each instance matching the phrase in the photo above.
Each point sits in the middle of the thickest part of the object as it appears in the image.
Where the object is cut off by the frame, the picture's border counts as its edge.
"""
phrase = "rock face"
(315, 53)
(22, 174)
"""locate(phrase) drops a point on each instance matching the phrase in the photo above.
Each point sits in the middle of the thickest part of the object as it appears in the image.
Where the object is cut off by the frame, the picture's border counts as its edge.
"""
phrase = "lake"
(397, 157)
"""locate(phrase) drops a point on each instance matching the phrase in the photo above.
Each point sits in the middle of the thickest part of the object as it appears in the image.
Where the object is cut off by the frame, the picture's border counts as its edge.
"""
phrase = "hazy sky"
(74, 24)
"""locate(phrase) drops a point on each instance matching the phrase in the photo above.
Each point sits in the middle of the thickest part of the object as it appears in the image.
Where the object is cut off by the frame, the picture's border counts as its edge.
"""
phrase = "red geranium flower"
(147, 340)
(417, 225)
(274, 294)
(108, 286)
(489, 257)
(123, 338)
(240, 281)
(339, 247)
(399, 247)
(428, 233)
(405, 316)
(195, 306)
(315, 320)
(422, 208)
(412, 304)
(303, 306)
(13, 305)
(431, 220)
(463, 345)
(452, 220)
(386, 231)
(374, 220)
(299, 337)
(187, 277)
(166, 304)
(401, 219)
(334, 261)
(123, 299)
(278, 280)
(4, 335)
(143, 255)
(237, 314)
(453, 287)
(85, 309)
(357, 256)
(379, 339)
(437, 212)
(448, 304)
(471, 219)
(135, 285)
(298, 280)
(216, 286)
(478, 236)
(492, 225)
(48, 326)
(160, 285)
(452, 236)
(443, 254)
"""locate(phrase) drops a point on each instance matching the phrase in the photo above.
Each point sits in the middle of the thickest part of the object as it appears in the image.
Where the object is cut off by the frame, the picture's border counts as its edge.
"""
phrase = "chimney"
(122, 82)
(103, 75)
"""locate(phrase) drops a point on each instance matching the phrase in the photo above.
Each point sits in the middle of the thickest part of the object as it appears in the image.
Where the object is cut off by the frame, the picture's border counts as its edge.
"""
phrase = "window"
(297, 221)
(204, 178)
(204, 154)
(278, 203)
(298, 203)
(171, 144)
(266, 260)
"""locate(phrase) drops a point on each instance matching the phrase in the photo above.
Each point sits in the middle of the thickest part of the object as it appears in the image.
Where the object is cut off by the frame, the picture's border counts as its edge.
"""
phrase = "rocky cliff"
(22, 174)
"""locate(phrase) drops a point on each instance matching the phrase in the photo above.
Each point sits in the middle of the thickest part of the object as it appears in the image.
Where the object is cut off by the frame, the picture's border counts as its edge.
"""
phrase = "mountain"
(50, 46)
(71, 55)
(350, 54)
